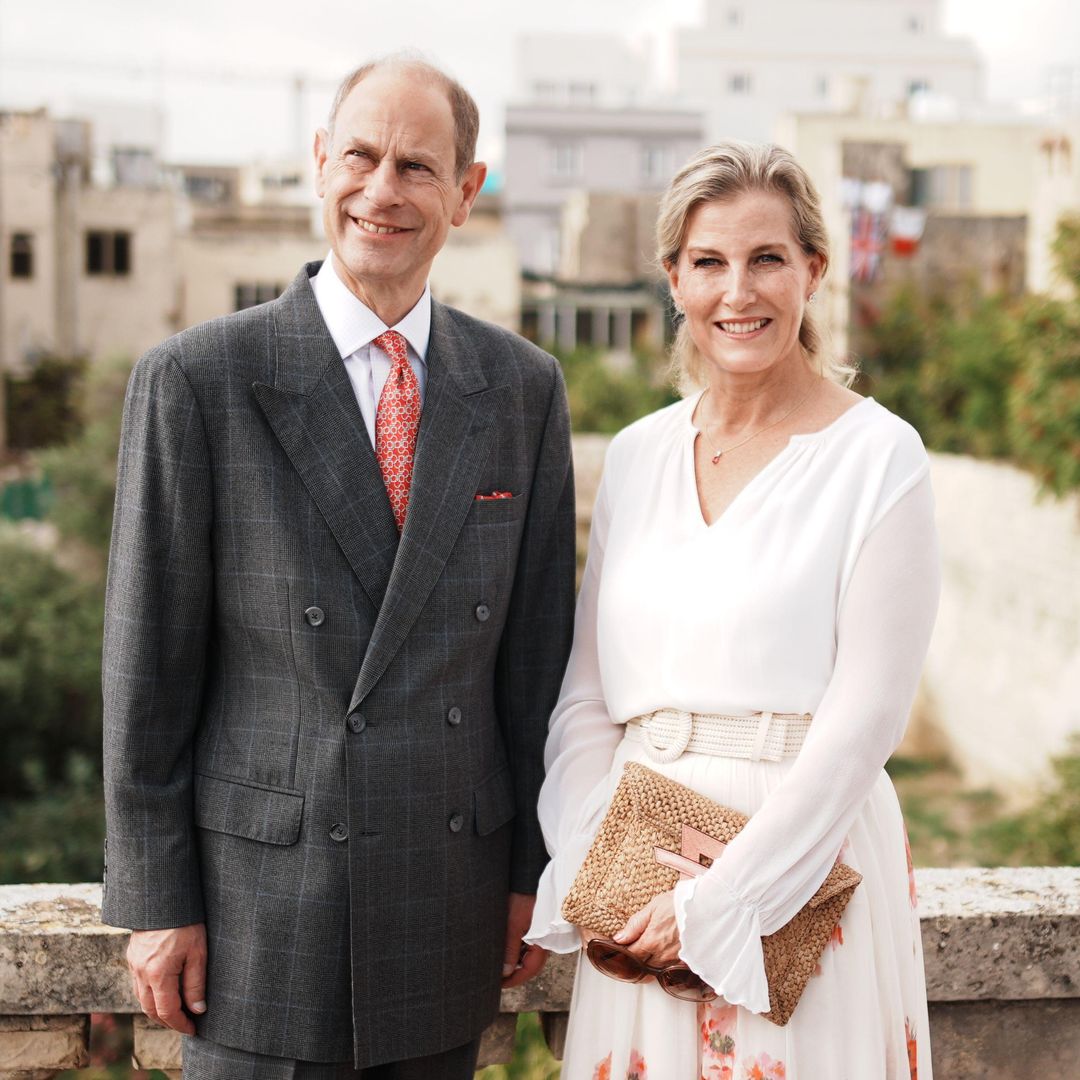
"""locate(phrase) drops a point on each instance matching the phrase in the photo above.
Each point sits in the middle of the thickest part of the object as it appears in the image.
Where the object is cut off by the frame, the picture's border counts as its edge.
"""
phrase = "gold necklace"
(718, 452)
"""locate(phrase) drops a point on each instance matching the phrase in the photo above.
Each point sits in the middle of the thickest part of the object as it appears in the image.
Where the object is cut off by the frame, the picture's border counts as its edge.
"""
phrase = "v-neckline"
(793, 440)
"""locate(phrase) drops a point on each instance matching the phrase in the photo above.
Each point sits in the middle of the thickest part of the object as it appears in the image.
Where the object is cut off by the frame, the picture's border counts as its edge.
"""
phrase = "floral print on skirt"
(862, 1016)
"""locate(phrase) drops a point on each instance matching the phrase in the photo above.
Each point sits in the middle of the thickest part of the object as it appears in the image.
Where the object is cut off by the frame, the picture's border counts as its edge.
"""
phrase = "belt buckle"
(674, 750)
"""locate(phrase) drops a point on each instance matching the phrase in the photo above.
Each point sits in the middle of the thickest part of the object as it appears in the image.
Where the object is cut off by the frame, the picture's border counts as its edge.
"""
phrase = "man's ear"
(322, 154)
(471, 183)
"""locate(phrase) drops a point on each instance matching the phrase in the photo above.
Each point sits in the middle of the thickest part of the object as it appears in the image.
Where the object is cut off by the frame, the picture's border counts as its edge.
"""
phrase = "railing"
(1002, 950)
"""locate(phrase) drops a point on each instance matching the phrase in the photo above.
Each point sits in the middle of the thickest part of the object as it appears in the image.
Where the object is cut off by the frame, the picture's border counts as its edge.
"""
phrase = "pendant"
(716, 457)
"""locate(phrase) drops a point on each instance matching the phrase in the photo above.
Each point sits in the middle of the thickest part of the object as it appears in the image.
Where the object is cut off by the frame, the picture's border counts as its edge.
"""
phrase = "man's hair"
(462, 107)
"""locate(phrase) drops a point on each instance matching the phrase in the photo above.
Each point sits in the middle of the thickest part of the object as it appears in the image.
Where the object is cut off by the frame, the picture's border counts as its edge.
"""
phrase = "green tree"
(83, 471)
(50, 668)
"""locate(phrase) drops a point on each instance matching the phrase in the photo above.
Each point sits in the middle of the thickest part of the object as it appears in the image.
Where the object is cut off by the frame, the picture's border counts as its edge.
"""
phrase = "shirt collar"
(352, 324)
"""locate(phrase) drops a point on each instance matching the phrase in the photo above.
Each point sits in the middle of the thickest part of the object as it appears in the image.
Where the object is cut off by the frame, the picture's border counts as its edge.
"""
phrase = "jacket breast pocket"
(494, 802)
(253, 811)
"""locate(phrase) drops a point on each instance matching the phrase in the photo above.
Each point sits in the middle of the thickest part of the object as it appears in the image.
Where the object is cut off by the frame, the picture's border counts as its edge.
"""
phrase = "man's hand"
(652, 934)
(520, 963)
(167, 965)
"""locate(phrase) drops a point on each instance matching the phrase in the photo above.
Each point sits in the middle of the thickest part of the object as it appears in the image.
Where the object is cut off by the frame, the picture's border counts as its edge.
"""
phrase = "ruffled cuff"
(721, 941)
(549, 929)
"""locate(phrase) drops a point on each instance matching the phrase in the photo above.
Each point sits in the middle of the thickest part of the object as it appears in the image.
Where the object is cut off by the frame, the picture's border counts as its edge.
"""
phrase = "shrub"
(50, 668)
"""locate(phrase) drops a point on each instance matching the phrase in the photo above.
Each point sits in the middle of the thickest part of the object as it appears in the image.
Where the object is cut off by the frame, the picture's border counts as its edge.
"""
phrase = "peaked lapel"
(313, 412)
(456, 429)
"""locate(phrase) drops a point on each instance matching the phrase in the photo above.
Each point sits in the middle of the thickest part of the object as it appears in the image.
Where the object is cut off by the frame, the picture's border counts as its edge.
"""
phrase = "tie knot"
(393, 344)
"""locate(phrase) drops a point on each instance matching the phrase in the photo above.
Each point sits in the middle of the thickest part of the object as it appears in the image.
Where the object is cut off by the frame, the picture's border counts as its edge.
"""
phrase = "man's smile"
(374, 228)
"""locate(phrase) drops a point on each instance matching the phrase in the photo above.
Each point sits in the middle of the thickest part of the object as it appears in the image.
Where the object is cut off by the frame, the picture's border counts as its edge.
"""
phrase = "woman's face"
(744, 281)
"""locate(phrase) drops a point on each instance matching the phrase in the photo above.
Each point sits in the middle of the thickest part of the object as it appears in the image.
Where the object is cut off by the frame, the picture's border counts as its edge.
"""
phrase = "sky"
(223, 72)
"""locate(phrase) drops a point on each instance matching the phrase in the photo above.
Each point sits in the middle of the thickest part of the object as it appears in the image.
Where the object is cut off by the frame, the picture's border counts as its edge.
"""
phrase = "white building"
(753, 60)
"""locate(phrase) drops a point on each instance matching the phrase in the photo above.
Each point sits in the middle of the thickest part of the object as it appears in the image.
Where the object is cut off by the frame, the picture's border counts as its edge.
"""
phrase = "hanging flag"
(906, 228)
(867, 244)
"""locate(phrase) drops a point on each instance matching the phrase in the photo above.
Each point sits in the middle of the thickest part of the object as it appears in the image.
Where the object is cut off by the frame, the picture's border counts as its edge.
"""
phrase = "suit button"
(453, 717)
(315, 616)
(356, 722)
(456, 822)
(483, 612)
(339, 833)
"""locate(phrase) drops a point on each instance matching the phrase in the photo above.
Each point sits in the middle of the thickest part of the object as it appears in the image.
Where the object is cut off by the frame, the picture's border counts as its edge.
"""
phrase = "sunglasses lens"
(682, 983)
(615, 962)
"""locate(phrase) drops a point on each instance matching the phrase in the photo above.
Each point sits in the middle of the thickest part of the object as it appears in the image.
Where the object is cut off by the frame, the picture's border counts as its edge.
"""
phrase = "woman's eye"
(706, 261)
(769, 257)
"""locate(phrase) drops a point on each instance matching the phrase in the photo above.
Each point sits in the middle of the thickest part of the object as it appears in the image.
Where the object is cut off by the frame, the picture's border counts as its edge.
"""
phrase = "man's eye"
(414, 166)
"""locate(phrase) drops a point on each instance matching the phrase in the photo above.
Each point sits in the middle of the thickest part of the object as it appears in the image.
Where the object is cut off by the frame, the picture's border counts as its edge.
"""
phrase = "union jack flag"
(867, 244)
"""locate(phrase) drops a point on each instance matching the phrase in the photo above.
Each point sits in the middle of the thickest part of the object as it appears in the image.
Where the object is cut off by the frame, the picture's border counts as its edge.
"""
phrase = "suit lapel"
(456, 429)
(313, 412)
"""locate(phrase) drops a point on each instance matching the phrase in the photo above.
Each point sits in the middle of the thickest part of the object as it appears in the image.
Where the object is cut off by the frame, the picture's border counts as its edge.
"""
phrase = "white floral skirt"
(862, 1016)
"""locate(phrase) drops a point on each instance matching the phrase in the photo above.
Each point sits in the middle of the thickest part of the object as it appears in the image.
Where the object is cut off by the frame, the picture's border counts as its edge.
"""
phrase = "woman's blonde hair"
(723, 172)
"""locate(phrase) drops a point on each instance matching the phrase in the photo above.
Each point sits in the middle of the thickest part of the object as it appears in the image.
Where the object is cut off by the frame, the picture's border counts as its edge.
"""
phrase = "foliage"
(604, 398)
(988, 376)
(532, 1059)
(41, 408)
(83, 472)
(1048, 832)
(1066, 248)
(50, 668)
(55, 835)
(1044, 400)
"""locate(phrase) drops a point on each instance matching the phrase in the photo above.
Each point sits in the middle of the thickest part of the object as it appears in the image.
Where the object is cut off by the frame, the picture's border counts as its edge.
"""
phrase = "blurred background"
(155, 171)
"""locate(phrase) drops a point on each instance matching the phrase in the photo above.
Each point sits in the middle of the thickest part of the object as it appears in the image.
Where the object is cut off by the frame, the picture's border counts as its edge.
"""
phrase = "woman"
(762, 552)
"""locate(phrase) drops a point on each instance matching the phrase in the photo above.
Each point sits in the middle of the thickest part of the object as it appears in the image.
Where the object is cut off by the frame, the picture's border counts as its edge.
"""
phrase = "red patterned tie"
(397, 421)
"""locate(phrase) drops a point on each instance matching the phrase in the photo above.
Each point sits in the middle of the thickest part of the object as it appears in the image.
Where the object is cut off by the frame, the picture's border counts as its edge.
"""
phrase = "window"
(739, 83)
(916, 24)
(567, 161)
(108, 254)
(656, 164)
(22, 255)
(249, 293)
(942, 187)
(583, 92)
(918, 86)
(734, 17)
(821, 86)
(281, 181)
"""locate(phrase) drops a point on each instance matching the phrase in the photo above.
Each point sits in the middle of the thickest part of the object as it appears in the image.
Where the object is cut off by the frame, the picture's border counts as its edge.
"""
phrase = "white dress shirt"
(354, 326)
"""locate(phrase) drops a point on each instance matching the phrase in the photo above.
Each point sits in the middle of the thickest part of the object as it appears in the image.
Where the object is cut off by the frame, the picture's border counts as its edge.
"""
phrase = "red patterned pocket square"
(495, 495)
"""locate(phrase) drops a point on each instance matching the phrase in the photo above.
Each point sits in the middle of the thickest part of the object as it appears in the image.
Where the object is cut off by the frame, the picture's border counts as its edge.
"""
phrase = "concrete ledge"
(1002, 950)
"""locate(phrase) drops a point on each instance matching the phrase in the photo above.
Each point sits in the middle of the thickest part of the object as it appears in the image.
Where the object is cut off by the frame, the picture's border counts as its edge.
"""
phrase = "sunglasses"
(617, 962)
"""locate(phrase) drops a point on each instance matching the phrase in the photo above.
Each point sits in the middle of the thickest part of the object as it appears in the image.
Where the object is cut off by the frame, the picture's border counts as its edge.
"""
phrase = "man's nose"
(383, 186)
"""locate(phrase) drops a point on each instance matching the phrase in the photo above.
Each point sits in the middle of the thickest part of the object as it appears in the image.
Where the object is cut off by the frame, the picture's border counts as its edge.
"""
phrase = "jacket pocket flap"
(237, 807)
(494, 799)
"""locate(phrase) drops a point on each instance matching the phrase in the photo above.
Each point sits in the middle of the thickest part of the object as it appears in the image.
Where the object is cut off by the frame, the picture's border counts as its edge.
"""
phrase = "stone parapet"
(1002, 951)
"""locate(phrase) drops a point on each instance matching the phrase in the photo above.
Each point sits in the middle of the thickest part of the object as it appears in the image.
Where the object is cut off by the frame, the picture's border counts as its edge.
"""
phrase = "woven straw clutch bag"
(620, 876)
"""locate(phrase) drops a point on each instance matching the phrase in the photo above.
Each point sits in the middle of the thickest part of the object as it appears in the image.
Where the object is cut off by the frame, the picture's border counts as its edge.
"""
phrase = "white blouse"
(814, 592)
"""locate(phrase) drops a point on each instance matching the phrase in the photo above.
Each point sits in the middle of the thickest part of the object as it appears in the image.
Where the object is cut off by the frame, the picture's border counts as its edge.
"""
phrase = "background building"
(751, 61)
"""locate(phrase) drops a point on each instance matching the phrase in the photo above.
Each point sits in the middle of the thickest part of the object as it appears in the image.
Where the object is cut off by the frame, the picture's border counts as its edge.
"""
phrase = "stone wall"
(1002, 952)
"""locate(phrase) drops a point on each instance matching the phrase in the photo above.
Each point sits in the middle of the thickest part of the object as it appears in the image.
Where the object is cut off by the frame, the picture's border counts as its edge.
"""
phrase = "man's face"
(387, 180)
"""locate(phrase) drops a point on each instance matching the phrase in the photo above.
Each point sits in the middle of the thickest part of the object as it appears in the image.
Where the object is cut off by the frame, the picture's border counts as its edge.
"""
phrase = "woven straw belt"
(765, 736)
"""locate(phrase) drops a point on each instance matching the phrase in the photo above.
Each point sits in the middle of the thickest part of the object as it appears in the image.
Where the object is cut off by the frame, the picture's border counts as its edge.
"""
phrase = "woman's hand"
(652, 935)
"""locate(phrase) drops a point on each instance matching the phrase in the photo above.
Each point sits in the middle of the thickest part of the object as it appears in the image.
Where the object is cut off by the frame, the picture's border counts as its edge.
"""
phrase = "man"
(331, 643)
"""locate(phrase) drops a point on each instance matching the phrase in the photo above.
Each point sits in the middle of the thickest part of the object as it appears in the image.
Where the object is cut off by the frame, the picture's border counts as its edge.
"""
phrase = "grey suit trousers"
(206, 1060)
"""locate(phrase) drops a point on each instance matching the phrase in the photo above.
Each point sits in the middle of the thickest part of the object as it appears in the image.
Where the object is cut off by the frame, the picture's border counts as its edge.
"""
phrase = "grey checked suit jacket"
(322, 741)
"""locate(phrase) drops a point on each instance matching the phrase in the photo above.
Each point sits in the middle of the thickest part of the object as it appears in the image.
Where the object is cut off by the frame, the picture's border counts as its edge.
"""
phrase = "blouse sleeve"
(786, 850)
(580, 747)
